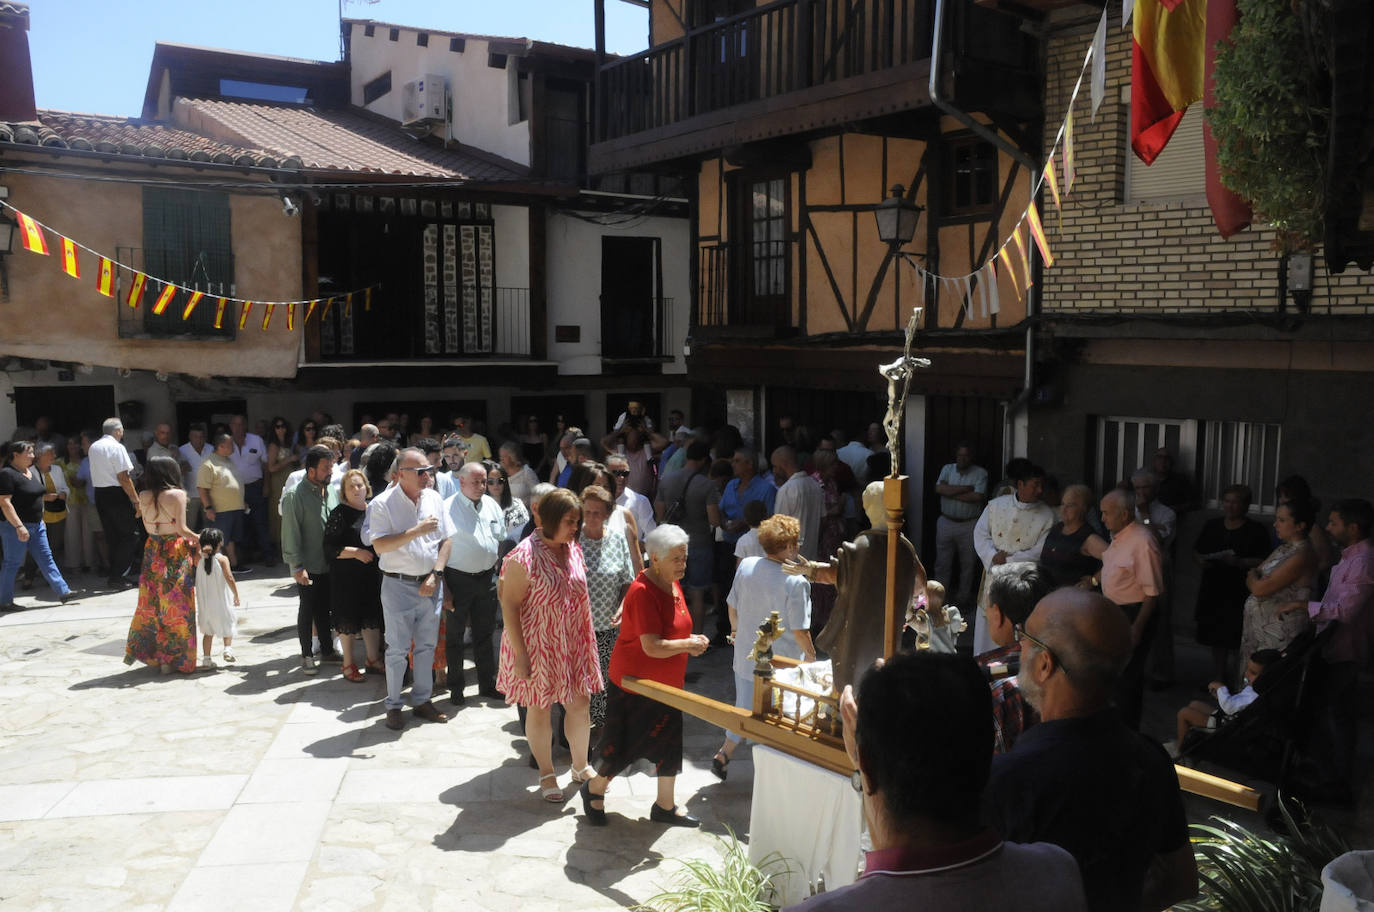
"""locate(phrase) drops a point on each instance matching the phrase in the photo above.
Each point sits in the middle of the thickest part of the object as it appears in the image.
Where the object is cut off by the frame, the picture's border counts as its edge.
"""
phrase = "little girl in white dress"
(214, 585)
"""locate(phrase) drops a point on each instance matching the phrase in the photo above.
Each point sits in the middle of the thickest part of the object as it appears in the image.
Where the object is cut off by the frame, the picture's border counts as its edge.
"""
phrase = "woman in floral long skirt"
(163, 631)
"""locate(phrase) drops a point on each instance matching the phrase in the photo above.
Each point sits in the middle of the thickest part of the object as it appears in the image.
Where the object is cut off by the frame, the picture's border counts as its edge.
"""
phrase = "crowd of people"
(569, 561)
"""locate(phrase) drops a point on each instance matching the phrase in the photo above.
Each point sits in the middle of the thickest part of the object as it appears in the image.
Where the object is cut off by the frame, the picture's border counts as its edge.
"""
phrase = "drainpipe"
(1009, 409)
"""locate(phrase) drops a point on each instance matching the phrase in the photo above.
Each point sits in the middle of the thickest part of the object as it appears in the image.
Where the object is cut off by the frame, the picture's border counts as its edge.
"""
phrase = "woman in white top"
(760, 588)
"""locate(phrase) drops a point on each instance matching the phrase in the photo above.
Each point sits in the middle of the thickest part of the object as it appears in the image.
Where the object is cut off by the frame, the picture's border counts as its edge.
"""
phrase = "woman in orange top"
(655, 640)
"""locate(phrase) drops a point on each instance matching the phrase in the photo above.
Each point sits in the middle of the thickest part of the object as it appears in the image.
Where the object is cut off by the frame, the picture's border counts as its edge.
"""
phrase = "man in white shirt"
(855, 455)
(799, 495)
(114, 492)
(963, 490)
(250, 459)
(479, 525)
(629, 498)
(409, 528)
(192, 454)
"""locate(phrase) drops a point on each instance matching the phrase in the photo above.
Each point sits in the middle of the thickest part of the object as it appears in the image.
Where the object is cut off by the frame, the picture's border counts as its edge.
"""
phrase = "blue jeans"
(409, 617)
(37, 545)
(744, 699)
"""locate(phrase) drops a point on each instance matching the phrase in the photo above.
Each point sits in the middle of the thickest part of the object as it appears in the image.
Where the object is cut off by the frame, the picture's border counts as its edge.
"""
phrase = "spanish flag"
(1167, 56)
(219, 313)
(1025, 260)
(244, 310)
(104, 281)
(70, 265)
(348, 306)
(267, 315)
(191, 304)
(1005, 254)
(168, 292)
(31, 235)
(136, 289)
(290, 317)
(328, 305)
(309, 309)
(367, 299)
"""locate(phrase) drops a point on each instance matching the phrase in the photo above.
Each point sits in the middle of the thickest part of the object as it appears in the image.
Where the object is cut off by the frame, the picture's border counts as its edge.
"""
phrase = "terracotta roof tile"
(334, 140)
(135, 137)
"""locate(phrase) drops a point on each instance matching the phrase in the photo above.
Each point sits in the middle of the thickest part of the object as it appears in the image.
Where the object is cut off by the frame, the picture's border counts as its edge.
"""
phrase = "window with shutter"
(1180, 170)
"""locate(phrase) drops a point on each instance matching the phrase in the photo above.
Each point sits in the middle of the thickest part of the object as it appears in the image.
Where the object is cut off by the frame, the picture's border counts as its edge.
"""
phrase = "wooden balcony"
(783, 67)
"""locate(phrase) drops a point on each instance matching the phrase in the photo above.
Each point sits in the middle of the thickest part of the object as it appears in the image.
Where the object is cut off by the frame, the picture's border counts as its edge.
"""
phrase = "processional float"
(804, 722)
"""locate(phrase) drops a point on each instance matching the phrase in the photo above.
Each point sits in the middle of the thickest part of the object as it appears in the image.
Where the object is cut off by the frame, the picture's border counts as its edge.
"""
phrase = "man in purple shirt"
(921, 798)
(1348, 605)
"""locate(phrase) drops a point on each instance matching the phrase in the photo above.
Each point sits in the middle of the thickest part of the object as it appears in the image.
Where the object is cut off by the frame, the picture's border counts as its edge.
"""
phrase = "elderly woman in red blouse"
(655, 640)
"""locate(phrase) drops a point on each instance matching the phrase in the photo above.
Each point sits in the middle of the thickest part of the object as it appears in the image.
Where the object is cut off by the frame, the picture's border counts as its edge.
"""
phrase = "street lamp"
(897, 217)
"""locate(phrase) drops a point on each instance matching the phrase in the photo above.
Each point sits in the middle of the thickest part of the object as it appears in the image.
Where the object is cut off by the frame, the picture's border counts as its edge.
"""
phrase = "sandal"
(376, 666)
(353, 674)
(550, 793)
(718, 764)
(586, 774)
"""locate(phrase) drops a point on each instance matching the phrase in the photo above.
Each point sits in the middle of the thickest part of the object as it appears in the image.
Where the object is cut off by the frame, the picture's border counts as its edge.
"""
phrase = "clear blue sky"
(93, 55)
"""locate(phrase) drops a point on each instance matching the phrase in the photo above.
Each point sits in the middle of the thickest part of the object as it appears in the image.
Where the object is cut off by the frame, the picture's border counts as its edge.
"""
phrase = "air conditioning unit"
(422, 101)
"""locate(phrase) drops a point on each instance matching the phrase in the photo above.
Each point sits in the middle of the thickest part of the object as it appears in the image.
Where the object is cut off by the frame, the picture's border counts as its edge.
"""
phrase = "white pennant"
(1099, 52)
(983, 305)
(995, 290)
(1126, 7)
(968, 297)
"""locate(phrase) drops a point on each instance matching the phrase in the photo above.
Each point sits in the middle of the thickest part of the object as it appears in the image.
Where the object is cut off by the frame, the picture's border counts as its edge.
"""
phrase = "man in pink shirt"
(1348, 605)
(1133, 579)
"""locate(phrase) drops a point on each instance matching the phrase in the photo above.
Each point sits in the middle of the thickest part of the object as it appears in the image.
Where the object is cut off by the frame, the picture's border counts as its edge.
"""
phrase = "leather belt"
(405, 577)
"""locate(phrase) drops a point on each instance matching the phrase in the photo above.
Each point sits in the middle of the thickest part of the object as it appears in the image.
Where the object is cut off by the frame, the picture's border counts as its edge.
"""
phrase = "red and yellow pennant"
(1006, 261)
(367, 299)
(267, 315)
(1037, 231)
(219, 313)
(70, 264)
(136, 289)
(31, 235)
(168, 292)
(245, 309)
(191, 304)
(290, 317)
(1068, 152)
(328, 305)
(348, 305)
(309, 309)
(104, 280)
(1025, 260)
(1054, 184)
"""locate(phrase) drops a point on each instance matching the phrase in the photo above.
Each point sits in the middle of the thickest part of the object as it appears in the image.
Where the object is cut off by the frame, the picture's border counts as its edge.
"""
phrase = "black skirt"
(638, 728)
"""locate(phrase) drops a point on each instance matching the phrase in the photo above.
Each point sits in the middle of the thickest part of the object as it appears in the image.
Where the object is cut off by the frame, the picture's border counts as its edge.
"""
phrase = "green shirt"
(303, 515)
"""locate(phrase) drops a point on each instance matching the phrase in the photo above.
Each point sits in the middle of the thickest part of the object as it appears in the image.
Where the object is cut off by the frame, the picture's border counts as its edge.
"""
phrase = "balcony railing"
(775, 49)
(725, 295)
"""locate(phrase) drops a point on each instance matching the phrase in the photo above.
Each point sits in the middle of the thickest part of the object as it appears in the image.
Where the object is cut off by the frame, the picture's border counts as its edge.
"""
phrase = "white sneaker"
(309, 665)
(206, 662)
(228, 656)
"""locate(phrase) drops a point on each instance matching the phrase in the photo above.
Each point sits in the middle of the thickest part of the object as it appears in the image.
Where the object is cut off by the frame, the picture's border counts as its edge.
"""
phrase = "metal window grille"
(1242, 452)
(1125, 444)
(768, 236)
(186, 241)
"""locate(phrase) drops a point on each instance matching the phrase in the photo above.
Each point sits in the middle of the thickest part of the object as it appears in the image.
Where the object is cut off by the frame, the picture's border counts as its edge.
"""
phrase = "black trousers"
(1130, 688)
(256, 526)
(474, 601)
(314, 609)
(121, 529)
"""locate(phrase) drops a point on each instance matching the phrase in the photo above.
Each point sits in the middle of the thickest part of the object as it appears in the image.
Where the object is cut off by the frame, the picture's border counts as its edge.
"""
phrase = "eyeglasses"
(1019, 633)
(427, 470)
(621, 473)
(282, 427)
(495, 481)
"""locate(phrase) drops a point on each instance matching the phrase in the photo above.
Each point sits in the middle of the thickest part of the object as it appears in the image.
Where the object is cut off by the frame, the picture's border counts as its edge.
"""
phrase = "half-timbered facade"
(794, 119)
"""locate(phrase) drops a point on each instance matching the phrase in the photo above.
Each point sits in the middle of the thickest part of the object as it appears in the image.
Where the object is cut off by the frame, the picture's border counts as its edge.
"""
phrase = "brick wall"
(1156, 257)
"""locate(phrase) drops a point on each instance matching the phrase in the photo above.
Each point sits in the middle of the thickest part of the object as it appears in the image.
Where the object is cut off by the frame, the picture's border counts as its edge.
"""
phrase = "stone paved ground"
(256, 788)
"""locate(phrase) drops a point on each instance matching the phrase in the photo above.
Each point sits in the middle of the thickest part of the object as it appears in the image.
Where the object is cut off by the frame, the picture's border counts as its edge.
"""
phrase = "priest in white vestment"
(1012, 529)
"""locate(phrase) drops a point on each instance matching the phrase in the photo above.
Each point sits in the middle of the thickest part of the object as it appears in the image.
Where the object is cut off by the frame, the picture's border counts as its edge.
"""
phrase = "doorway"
(71, 409)
(631, 283)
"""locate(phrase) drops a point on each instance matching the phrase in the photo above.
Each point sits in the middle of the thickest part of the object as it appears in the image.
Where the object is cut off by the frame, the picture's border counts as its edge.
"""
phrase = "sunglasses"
(427, 470)
(621, 473)
(280, 427)
(495, 481)
(1019, 633)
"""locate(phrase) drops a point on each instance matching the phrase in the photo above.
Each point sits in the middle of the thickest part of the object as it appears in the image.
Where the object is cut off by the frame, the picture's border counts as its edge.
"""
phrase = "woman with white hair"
(654, 642)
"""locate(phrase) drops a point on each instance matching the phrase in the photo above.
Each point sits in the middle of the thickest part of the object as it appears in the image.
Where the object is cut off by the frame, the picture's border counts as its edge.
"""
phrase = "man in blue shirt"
(747, 485)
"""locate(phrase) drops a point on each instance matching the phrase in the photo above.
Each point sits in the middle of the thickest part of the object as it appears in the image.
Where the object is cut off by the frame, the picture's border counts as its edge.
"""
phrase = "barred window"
(186, 241)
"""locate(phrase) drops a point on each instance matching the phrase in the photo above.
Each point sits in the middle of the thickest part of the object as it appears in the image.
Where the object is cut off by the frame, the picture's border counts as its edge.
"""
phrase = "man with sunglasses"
(1080, 778)
(409, 529)
(628, 497)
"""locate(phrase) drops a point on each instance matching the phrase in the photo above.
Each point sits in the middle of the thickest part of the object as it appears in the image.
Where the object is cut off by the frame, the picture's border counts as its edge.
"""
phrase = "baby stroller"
(1266, 739)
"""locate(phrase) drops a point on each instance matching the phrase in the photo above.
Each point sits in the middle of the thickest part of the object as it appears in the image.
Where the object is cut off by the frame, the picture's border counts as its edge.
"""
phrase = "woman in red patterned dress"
(548, 648)
(654, 642)
(163, 630)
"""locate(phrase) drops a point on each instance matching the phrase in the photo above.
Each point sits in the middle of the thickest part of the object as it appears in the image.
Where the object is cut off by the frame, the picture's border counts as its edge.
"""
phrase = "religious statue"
(898, 375)
(854, 635)
(762, 653)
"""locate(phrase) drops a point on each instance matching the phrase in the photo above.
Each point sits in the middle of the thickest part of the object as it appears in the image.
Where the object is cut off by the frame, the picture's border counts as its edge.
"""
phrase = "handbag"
(678, 509)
